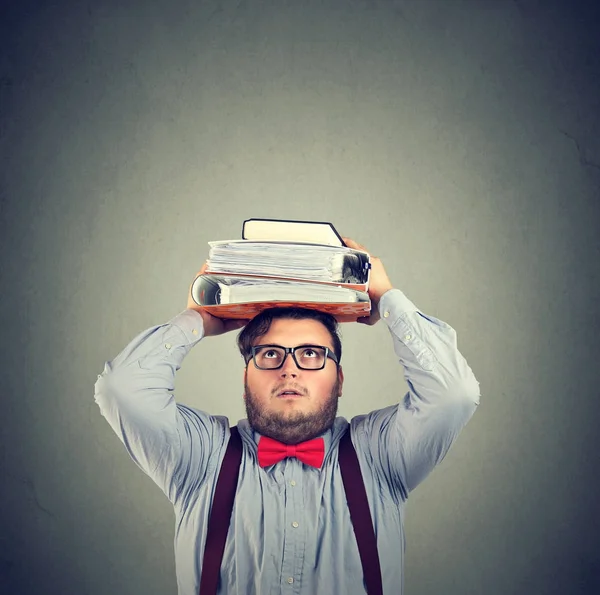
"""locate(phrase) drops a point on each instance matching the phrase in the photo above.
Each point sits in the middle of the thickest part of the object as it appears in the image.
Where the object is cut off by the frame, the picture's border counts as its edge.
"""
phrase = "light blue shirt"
(290, 531)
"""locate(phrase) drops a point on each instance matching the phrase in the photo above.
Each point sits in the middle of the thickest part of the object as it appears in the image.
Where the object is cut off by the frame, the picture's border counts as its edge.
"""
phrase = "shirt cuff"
(393, 304)
(191, 324)
(396, 311)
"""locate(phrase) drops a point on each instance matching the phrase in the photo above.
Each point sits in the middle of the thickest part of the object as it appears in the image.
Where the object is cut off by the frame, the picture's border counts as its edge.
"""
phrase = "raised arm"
(407, 440)
(135, 393)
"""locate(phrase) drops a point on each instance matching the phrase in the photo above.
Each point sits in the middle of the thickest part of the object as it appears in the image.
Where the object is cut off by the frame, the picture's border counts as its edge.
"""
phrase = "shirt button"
(386, 314)
(168, 345)
(295, 524)
(195, 331)
(408, 337)
(293, 482)
(290, 580)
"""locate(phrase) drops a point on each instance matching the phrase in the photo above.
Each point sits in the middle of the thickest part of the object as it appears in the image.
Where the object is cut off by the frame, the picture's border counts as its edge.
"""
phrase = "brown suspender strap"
(220, 515)
(360, 514)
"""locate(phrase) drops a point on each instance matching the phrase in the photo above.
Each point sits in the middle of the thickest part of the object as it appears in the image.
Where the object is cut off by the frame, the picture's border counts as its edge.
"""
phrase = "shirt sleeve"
(135, 394)
(406, 441)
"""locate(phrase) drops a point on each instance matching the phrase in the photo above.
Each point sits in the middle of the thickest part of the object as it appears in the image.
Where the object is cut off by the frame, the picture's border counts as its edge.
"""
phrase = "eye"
(308, 351)
(266, 354)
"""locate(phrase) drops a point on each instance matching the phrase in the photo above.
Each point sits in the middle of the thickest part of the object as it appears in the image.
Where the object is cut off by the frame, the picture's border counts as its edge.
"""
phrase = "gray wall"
(457, 140)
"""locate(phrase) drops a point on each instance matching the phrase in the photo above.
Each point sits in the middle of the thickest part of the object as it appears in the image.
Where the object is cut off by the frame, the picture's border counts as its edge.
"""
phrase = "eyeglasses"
(307, 357)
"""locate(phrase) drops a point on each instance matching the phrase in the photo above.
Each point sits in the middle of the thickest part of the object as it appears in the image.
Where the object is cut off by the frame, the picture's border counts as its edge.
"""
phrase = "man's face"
(293, 420)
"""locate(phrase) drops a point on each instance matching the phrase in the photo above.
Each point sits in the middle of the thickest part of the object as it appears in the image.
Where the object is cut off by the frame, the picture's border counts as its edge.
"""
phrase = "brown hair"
(261, 324)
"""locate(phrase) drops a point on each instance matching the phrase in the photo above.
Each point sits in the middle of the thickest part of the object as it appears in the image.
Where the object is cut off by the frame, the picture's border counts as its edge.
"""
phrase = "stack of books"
(284, 263)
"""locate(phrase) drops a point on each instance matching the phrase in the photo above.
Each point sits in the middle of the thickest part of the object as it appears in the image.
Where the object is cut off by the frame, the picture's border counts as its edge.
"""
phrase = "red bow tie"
(311, 452)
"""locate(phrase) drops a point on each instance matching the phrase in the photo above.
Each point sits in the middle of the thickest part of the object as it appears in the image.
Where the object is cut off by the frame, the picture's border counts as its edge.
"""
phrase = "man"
(290, 529)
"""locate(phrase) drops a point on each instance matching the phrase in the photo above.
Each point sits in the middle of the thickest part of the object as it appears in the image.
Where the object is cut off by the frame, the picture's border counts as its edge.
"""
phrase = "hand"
(379, 283)
(212, 324)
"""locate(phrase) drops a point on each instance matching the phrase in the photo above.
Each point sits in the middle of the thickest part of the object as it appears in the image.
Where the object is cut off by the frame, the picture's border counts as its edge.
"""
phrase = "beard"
(291, 427)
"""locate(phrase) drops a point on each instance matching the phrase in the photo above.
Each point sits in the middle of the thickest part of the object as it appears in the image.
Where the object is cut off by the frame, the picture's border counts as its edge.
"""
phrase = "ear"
(245, 376)
(341, 379)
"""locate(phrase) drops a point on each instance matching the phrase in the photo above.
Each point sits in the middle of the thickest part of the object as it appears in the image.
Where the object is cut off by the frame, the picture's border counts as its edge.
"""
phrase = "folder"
(284, 263)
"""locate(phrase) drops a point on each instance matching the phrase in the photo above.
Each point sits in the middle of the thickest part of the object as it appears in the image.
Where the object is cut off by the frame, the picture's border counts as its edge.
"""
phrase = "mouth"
(289, 394)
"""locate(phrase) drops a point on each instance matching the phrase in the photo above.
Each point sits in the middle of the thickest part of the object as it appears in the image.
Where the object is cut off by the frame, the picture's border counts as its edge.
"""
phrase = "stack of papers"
(298, 260)
(243, 277)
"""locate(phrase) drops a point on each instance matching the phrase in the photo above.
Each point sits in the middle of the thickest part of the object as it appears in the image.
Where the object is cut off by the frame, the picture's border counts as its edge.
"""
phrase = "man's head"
(291, 419)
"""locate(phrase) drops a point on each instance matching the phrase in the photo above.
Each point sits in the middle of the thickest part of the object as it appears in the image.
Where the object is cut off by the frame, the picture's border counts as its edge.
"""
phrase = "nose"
(289, 366)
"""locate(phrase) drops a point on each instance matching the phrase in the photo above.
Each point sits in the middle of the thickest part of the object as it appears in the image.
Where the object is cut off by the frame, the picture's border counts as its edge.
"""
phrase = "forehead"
(289, 333)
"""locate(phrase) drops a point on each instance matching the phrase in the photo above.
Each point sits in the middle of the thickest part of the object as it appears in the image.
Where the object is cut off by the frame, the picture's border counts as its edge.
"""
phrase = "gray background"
(457, 140)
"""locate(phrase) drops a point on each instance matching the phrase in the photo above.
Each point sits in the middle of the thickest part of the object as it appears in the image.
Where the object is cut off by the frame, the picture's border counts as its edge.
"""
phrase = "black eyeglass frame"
(291, 350)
